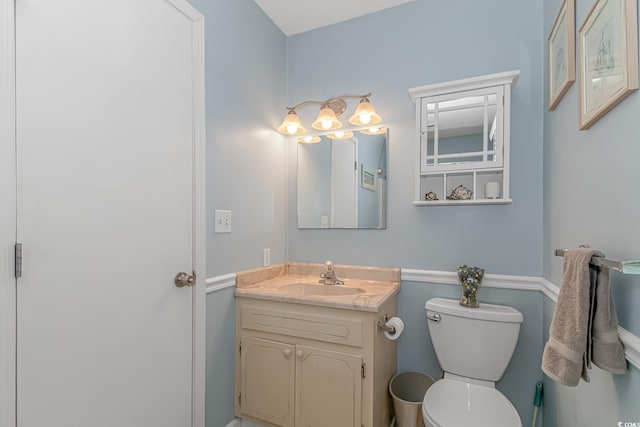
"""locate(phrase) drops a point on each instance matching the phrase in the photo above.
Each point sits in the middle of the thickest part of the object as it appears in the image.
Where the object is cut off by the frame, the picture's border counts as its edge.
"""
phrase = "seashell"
(431, 196)
(460, 193)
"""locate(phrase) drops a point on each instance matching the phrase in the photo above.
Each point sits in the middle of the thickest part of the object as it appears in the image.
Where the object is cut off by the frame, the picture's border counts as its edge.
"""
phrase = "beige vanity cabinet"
(304, 365)
(267, 384)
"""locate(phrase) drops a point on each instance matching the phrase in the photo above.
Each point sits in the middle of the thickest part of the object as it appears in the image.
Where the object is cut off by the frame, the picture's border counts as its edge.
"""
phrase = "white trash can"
(407, 390)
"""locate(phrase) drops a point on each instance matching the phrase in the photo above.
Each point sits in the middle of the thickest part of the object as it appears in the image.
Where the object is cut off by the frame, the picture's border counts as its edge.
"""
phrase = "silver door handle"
(184, 279)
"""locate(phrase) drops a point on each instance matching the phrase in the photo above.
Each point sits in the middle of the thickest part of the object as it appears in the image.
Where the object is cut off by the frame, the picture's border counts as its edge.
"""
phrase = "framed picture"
(561, 51)
(368, 178)
(608, 58)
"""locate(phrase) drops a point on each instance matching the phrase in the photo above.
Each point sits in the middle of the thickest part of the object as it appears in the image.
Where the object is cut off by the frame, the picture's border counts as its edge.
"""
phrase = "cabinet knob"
(299, 354)
(287, 353)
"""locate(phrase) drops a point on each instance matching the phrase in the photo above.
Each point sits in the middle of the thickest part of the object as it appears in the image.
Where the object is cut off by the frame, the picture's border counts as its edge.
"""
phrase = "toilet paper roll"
(398, 324)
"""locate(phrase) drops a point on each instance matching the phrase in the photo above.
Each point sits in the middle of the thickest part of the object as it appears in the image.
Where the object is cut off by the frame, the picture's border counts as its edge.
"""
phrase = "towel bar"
(625, 267)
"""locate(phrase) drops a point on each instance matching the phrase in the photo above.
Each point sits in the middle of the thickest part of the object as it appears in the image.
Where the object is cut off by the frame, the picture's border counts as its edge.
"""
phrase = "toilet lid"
(459, 404)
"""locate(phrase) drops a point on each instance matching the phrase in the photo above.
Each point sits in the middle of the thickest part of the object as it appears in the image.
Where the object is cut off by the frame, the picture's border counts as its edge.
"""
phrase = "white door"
(108, 127)
(344, 183)
(7, 216)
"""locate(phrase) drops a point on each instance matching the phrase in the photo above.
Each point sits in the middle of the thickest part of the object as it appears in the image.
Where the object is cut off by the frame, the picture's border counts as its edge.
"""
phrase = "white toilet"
(474, 347)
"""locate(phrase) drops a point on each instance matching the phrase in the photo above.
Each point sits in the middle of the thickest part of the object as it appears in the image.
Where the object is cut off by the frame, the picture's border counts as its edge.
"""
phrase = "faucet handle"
(330, 266)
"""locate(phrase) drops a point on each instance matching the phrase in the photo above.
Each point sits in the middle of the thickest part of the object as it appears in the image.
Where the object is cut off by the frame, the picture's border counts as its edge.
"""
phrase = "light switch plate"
(266, 257)
(222, 221)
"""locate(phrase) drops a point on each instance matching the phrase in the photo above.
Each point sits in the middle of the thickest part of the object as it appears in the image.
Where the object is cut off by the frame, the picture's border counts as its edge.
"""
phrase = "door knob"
(184, 279)
(287, 353)
(299, 354)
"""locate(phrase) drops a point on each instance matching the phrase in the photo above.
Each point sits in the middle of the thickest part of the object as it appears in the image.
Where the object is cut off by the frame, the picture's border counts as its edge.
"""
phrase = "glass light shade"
(291, 125)
(365, 114)
(340, 135)
(374, 130)
(326, 120)
(308, 139)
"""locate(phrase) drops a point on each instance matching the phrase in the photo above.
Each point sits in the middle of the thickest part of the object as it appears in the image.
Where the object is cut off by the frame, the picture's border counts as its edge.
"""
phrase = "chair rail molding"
(523, 283)
(218, 283)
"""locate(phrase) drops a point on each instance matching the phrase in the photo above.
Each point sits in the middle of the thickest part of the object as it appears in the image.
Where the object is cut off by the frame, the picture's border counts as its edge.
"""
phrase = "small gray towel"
(607, 351)
(563, 359)
(584, 327)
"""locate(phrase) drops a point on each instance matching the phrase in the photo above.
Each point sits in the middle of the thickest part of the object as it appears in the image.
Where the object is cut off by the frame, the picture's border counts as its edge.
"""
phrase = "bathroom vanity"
(310, 353)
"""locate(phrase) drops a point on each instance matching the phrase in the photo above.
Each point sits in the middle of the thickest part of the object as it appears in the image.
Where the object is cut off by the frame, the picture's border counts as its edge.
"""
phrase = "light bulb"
(292, 128)
(308, 138)
(374, 129)
(339, 134)
(326, 124)
(365, 118)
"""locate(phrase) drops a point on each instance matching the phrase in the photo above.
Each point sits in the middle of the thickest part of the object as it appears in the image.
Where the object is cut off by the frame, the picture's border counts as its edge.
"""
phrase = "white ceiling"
(298, 16)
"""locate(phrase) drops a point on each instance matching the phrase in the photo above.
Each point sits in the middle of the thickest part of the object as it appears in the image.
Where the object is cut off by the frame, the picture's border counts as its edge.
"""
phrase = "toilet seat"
(455, 403)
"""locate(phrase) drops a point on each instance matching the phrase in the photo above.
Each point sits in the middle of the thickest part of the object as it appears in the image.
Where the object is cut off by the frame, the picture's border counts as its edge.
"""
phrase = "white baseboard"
(238, 422)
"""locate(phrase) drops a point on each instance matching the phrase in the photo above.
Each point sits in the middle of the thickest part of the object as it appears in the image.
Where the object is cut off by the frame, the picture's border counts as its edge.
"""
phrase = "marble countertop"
(366, 288)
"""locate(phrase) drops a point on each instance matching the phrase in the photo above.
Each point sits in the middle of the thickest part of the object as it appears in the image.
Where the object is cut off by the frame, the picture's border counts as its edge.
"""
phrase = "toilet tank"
(473, 342)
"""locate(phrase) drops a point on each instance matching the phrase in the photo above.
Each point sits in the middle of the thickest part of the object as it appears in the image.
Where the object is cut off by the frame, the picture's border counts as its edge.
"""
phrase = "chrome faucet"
(329, 276)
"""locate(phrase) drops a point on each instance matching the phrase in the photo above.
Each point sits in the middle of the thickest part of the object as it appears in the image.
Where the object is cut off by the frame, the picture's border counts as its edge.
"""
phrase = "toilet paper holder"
(382, 325)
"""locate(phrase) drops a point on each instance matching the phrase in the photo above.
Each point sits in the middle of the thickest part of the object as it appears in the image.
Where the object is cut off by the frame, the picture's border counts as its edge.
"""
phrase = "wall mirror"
(460, 130)
(342, 183)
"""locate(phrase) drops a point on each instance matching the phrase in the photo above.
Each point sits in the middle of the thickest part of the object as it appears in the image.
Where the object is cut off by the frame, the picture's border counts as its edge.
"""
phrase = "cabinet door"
(267, 380)
(328, 388)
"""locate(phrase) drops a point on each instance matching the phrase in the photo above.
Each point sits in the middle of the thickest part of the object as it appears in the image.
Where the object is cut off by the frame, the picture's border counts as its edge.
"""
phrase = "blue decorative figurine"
(470, 278)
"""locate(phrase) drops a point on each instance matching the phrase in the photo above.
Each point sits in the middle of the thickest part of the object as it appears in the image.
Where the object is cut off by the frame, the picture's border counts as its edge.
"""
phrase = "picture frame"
(561, 53)
(608, 58)
(368, 178)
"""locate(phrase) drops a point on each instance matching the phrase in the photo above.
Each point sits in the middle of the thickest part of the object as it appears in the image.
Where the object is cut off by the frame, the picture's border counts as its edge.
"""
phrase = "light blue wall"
(415, 352)
(220, 383)
(370, 148)
(418, 43)
(590, 197)
(245, 88)
(411, 45)
(246, 95)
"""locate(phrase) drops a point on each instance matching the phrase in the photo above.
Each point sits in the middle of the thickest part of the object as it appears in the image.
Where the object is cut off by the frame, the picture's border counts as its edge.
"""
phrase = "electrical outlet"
(324, 221)
(266, 257)
(222, 221)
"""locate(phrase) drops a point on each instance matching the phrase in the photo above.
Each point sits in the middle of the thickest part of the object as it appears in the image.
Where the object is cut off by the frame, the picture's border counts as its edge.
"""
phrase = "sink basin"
(308, 289)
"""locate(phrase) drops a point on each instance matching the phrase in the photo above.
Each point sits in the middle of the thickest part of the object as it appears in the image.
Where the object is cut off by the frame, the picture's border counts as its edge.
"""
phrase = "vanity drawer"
(316, 327)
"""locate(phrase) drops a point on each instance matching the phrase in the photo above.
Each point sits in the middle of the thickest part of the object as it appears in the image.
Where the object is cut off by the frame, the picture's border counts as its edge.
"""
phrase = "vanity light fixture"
(374, 130)
(340, 135)
(291, 125)
(326, 120)
(308, 139)
(330, 110)
(365, 114)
